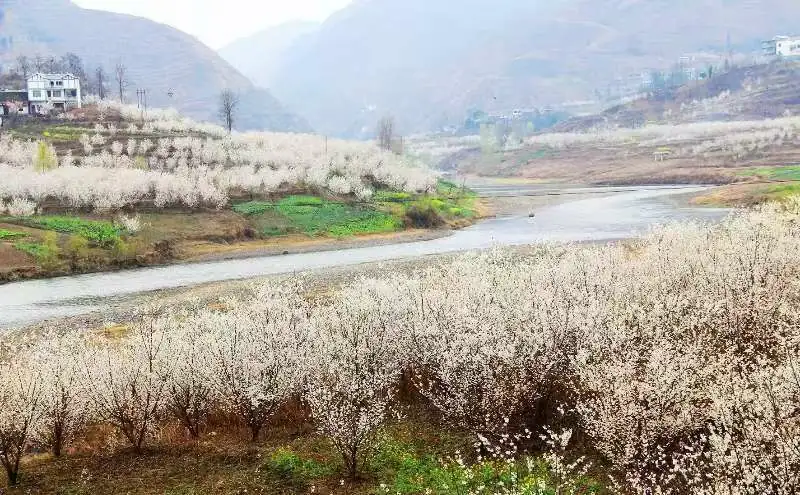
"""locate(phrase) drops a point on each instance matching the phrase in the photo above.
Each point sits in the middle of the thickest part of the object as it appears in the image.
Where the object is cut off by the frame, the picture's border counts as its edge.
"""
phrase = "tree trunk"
(58, 440)
(254, 431)
(352, 464)
(12, 469)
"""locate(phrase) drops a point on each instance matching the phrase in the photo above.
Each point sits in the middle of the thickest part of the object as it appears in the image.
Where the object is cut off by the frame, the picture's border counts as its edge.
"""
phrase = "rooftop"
(52, 77)
(13, 95)
(786, 38)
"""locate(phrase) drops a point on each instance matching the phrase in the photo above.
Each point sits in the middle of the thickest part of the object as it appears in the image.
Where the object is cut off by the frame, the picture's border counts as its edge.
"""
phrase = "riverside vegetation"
(668, 364)
(118, 189)
(755, 160)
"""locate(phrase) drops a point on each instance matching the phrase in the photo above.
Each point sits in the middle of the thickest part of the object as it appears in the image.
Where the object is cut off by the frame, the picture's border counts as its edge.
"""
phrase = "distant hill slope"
(743, 93)
(260, 55)
(158, 57)
(428, 61)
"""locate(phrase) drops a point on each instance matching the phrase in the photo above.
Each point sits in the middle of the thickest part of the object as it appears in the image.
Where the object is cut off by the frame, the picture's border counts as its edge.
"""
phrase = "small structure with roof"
(13, 102)
(53, 92)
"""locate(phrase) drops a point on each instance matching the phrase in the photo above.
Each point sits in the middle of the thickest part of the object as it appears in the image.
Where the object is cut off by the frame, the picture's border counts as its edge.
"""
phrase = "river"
(614, 214)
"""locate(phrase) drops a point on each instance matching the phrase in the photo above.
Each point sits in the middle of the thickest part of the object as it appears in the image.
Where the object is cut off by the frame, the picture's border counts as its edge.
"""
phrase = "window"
(52, 83)
(57, 93)
(49, 94)
(73, 93)
(59, 83)
(36, 94)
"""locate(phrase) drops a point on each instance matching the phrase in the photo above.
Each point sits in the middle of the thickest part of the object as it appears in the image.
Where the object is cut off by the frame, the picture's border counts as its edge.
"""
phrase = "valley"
(384, 247)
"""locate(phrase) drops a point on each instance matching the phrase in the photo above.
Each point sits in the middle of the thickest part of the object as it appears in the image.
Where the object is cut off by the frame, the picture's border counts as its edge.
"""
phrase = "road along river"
(613, 214)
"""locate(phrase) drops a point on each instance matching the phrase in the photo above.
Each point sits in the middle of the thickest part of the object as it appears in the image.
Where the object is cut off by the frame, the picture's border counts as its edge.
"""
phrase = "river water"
(614, 214)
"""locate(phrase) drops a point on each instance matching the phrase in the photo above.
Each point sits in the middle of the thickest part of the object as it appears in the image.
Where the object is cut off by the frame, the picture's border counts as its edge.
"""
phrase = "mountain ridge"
(272, 43)
(428, 61)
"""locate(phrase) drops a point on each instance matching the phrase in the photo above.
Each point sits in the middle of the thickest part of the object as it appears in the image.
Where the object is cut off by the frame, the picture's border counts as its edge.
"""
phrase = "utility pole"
(101, 76)
(141, 102)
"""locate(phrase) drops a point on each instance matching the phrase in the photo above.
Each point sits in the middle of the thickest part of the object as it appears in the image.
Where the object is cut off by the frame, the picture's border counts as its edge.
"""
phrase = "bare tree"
(228, 106)
(73, 64)
(101, 85)
(121, 74)
(386, 132)
(39, 63)
(23, 66)
(51, 65)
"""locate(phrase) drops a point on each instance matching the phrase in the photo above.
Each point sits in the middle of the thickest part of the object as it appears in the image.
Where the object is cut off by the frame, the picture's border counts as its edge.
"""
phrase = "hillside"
(427, 62)
(105, 190)
(158, 57)
(271, 45)
(743, 93)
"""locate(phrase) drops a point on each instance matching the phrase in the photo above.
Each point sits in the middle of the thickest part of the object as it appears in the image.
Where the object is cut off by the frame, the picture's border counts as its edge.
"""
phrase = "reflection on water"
(618, 216)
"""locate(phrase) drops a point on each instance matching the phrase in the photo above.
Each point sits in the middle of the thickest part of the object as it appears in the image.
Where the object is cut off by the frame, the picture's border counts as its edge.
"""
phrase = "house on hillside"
(56, 91)
(783, 46)
(13, 102)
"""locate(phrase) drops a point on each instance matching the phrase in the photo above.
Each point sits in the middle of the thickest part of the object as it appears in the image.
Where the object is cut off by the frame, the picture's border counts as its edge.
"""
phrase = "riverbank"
(67, 242)
(755, 162)
(601, 217)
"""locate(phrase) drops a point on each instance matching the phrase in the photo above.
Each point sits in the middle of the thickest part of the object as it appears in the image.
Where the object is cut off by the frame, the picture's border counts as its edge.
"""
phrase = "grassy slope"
(773, 183)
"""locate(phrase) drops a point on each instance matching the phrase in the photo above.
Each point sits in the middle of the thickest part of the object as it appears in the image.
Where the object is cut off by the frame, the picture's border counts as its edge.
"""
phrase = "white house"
(60, 91)
(783, 46)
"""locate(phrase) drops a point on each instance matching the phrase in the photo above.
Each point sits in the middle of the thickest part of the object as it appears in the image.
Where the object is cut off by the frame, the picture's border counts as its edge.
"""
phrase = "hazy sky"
(218, 22)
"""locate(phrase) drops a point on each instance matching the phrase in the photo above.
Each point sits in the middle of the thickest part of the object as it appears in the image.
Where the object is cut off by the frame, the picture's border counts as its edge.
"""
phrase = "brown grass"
(609, 165)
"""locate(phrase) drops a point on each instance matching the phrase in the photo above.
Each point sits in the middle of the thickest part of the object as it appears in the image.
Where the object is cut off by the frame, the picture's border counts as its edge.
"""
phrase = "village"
(44, 94)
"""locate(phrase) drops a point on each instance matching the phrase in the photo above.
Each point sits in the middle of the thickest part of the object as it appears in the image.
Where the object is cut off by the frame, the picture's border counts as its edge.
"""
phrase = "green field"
(34, 249)
(8, 235)
(388, 211)
(313, 216)
(789, 172)
(100, 232)
(782, 191)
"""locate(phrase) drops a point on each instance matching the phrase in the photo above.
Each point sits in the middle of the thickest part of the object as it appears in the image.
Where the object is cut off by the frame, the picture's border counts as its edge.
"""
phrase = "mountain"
(428, 61)
(158, 58)
(258, 56)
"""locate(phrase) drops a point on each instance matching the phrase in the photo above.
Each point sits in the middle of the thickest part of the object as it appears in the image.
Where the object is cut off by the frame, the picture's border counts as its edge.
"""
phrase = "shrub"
(77, 249)
(121, 250)
(391, 197)
(46, 159)
(19, 207)
(132, 224)
(286, 464)
(423, 216)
